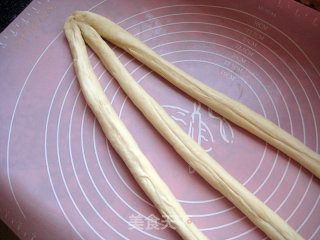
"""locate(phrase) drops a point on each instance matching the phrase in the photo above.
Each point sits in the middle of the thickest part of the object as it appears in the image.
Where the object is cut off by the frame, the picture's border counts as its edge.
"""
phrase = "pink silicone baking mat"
(61, 180)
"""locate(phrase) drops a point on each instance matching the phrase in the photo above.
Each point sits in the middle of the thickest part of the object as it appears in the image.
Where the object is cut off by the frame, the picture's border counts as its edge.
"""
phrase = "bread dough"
(122, 141)
(267, 220)
(218, 102)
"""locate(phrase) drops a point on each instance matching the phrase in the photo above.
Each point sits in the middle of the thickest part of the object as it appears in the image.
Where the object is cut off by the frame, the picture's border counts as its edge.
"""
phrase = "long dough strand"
(267, 220)
(217, 101)
(121, 140)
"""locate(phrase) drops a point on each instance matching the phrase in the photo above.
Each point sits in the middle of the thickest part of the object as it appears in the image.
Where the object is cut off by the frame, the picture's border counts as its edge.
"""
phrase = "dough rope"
(122, 141)
(227, 107)
(195, 155)
(208, 168)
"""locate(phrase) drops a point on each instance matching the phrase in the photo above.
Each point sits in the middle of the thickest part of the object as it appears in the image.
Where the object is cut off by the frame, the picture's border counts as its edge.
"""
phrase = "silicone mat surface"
(61, 180)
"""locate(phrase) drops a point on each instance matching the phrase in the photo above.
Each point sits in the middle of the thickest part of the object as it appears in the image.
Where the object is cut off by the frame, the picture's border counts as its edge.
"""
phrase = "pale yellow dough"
(220, 103)
(122, 141)
(91, 25)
